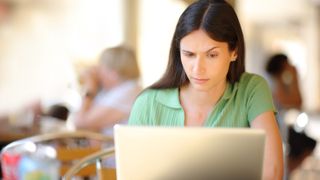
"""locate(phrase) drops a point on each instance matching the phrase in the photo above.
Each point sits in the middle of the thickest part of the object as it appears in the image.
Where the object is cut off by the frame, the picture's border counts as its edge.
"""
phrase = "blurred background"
(45, 44)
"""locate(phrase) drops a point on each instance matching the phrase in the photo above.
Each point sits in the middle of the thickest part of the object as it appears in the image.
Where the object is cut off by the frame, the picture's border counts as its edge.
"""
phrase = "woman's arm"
(273, 156)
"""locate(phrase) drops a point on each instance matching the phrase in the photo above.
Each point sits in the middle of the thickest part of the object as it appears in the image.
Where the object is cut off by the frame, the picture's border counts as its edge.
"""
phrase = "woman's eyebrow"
(210, 49)
(215, 47)
(186, 51)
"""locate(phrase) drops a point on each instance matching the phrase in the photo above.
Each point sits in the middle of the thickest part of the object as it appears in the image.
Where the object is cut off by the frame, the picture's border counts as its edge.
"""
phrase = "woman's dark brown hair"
(219, 20)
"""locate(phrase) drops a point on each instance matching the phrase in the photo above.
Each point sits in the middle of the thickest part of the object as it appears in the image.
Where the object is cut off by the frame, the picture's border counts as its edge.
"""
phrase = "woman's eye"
(212, 55)
(188, 54)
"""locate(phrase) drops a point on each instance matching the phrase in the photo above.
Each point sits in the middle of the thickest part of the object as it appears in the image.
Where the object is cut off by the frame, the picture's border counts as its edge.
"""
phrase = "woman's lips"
(200, 80)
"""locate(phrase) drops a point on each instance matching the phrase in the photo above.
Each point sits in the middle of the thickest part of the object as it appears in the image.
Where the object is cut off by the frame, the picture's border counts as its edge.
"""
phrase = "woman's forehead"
(200, 41)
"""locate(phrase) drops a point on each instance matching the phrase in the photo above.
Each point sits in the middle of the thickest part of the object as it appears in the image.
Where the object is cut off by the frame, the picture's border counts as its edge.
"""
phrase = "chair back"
(95, 158)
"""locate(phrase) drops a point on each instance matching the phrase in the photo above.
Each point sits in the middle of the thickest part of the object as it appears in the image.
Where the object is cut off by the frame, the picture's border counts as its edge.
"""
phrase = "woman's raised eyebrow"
(186, 51)
(212, 48)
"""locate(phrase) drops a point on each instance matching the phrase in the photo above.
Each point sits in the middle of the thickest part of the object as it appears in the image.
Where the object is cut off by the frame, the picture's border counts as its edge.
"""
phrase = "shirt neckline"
(170, 97)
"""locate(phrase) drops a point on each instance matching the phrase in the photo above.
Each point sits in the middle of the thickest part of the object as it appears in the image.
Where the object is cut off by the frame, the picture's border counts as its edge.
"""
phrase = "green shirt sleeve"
(259, 97)
(137, 111)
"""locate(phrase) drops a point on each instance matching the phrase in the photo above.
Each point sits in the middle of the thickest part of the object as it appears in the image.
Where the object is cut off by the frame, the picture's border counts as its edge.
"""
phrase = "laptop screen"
(147, 153)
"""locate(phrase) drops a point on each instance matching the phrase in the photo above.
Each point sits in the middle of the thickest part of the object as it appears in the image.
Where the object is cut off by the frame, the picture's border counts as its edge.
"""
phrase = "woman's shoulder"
(251, 79)
(250, 83)
(147, 93)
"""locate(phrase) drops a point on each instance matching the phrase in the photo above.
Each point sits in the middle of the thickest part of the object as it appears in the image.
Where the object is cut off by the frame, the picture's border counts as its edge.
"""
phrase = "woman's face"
(205, 61)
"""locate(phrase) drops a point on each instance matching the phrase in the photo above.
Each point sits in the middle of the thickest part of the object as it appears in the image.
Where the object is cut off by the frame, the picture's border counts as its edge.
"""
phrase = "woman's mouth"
(199, 80)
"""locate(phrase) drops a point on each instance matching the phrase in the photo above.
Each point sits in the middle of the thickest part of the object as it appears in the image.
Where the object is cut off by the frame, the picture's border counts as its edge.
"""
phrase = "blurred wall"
(43, 41)
(157, 21)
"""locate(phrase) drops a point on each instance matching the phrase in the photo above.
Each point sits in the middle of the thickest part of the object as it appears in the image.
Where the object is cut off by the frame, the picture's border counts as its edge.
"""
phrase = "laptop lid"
(165, 153)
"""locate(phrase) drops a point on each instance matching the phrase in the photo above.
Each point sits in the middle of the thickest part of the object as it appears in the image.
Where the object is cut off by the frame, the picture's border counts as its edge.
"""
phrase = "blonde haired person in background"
(109, 90)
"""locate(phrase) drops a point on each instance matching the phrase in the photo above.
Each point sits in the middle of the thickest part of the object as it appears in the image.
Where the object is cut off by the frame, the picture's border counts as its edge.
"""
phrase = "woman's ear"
(234, 55)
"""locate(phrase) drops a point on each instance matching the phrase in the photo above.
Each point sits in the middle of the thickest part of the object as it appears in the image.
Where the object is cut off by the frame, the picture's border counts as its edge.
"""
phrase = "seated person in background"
(206, 85)
(110, 90)
(286, 90)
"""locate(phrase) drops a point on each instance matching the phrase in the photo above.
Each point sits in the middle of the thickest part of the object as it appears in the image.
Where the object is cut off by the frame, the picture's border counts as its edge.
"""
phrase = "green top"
(241, 103)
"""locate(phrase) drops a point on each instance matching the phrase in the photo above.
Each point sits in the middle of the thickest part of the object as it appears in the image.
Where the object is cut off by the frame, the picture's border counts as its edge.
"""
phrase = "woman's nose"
(199, 65)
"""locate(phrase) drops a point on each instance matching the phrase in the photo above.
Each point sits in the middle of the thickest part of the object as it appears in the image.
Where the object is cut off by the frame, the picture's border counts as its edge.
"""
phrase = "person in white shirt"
(109, 91)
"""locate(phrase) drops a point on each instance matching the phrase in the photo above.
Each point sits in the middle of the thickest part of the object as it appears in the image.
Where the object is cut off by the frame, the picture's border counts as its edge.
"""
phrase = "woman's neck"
(198, 104)
(202, 98)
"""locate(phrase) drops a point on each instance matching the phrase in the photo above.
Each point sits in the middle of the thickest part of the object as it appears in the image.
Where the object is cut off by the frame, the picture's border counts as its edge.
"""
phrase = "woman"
(205, 83)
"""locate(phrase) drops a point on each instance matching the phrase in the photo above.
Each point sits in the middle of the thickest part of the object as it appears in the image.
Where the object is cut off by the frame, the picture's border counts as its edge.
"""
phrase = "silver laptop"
(171, 153)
